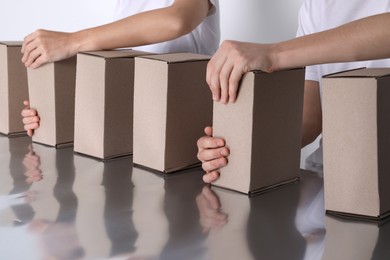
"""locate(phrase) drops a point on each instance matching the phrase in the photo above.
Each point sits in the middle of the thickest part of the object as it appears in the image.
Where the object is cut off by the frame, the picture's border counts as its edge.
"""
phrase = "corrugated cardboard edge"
(380, 219)
(104, 159)
(124, 53)
(168, 171)
(168, 57)
(260, 190)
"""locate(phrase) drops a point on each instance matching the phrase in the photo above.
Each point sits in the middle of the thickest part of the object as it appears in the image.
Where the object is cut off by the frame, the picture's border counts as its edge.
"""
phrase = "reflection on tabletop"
(55, 204)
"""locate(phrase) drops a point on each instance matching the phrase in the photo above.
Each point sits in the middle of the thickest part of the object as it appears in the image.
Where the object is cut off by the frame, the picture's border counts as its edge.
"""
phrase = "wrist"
(81, 41)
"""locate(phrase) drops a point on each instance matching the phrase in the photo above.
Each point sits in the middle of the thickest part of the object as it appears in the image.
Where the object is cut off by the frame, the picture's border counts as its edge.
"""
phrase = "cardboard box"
(356, 142)
(13, 88)
(262, 129)
(172, 105)
(52, 93)
(104, 103)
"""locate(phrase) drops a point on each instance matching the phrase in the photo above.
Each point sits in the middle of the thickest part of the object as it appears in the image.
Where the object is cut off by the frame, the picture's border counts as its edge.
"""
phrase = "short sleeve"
(213, 8)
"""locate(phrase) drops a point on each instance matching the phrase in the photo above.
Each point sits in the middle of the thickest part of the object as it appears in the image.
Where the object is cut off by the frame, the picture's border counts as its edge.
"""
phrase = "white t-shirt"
(204, 39)
(318, 15)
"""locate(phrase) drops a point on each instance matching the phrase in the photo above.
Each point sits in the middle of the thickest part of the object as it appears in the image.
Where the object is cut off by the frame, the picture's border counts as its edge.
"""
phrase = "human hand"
(44, 46)
(211, 216)
(213, 153)
(32, 163)
(30, 118)
(231, 61)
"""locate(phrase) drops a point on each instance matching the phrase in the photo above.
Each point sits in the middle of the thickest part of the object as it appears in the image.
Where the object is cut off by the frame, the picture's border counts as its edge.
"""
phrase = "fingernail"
(215, 98)
(220, 143)
(224, 152)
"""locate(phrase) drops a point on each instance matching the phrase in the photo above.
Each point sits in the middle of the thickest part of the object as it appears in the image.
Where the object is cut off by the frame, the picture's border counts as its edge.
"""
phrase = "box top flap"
(114, 54)
(263, 72)
(178, 57)
(11, 43)
(361, 73)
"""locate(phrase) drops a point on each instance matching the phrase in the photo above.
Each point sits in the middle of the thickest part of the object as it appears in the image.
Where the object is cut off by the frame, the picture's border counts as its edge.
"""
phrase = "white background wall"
(247, 20)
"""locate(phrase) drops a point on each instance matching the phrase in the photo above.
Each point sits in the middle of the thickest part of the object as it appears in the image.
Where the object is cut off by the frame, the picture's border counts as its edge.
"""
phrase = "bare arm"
(364, 39)
(144, 28)
(312, 113)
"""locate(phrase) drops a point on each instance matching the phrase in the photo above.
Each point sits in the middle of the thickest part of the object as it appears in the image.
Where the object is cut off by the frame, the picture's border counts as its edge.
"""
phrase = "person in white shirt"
(331, 32)
(149, 25)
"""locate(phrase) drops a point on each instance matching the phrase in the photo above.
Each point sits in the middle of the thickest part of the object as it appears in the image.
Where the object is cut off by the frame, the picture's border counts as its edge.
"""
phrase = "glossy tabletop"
(55, 204)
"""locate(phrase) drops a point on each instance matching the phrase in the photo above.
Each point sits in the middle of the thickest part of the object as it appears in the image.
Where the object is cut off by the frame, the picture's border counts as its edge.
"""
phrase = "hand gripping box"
(172, 105)
(104, 103)
(356, 142)
(13, 88)
(262, 129)
(52, 93)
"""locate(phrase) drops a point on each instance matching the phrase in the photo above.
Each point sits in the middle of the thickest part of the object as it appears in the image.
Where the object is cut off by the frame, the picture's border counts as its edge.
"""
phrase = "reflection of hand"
(32, 163)
(213, 153)
(209, 206)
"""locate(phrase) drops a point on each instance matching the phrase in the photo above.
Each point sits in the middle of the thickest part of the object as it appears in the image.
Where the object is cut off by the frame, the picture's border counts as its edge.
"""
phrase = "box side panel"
(150, 110)
(234, 123)
(383, 122)
(89, 106)
(18, 89)
(65, 80)
(4, 91)
(190, 109)
(350, 145)
(118, 118)
(41, 94)
(277, 123)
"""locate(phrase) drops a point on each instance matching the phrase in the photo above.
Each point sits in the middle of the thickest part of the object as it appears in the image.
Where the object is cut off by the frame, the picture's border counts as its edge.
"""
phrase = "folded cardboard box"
(356, 142)
(262, 129)
(13, 88)
(52, 93)
(172, 105)
(104, 103)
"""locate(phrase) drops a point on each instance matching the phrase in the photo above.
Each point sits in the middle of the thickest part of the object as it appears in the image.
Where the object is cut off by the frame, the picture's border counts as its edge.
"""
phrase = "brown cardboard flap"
(179, 57)
(361, 72)
(12, 43)
(114, 54)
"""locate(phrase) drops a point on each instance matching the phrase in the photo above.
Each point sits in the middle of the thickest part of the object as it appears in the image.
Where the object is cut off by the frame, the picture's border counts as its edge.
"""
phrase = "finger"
(28, 49)
(39, 61)
(208, 131)
(29, 113)
(224, 80)
(212, 154)
(30, 132)
(208, 142)
(30, 120)
(214, 165)
(211, 198)
(35, 54)
(211, 177)
(215, 65)
(29, 38)
(31, 127)
(234, 81)
(26, 103)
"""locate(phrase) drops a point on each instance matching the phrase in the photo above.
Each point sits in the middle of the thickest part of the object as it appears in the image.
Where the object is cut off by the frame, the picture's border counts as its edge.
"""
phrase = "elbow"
(180, 27)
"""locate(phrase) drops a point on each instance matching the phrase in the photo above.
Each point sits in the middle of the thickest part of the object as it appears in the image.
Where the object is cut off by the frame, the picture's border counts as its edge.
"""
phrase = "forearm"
(364, 39)
(144, 28)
